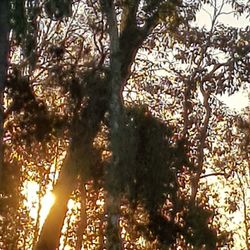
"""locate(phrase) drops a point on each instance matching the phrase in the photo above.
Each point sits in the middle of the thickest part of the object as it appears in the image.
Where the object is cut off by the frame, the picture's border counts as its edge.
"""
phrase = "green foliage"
(162, 7)
(148, 175)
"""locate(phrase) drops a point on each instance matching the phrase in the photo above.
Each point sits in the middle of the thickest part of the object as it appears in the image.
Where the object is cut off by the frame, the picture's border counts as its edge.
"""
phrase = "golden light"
(141, 241)
(47, 202)
(31, 193)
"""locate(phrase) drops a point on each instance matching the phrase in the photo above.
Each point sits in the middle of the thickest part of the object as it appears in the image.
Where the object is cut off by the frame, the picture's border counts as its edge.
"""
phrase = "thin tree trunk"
(202, 142)
(51, 231)
(83, 219)
(245, 215)
(4, 50)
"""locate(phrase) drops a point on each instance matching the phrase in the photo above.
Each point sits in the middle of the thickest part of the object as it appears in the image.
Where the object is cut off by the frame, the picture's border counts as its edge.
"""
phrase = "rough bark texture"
(116, 124)
(113, 240)
(4, 49)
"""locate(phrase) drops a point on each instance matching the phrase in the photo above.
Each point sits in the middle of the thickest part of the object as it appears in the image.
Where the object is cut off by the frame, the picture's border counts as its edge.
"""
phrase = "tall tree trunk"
(116, 124)
(51, 231)
(113, 239)
(83, 134)
(4, 50)
(50, 235)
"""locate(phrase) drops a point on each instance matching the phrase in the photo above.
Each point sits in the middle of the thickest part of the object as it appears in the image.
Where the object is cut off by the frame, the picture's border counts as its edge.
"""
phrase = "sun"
(47, 202)
(31, 193)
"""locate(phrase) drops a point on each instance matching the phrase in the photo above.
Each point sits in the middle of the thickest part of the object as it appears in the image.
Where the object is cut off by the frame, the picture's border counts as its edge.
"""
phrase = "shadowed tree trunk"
(51, 231)
(77, 156)
(4, 49)
(130, 39)
(116, 132)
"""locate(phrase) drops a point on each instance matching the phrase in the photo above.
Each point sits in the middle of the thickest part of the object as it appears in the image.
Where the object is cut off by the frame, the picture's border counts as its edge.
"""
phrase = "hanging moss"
(34, 120)
(150, 164)
(197, 231)
(151, 160)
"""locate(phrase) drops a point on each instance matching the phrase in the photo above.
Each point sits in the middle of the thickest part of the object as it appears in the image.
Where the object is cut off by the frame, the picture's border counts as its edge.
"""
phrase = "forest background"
(114, 134)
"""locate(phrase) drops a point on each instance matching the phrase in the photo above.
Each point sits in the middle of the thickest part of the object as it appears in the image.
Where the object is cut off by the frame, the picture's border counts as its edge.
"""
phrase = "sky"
(241, 99)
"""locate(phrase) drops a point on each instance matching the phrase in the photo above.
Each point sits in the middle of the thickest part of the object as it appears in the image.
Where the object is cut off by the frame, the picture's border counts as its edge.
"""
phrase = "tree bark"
(4, 51)
(116, 125)
(202, 142)
(50, 235)
(76, 158)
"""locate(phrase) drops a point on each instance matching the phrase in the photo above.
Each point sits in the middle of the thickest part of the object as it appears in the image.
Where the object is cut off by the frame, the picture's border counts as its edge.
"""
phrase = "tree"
(66, 89)
(127, 55)
(4, 49)
(242, 175)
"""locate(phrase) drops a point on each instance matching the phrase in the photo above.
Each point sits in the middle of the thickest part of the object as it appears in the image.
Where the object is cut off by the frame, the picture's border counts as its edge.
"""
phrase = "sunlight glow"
(72, 204)
(31, 192)
(47, 202)
(141, 241)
